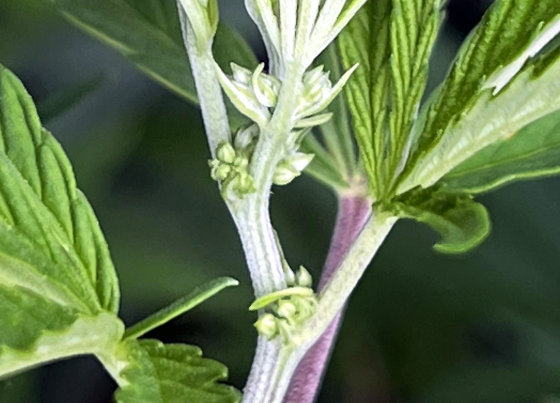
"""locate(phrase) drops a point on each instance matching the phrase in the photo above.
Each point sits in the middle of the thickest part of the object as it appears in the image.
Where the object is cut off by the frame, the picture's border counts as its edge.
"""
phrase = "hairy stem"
(353, 212)
(275, 365)
(208, 87)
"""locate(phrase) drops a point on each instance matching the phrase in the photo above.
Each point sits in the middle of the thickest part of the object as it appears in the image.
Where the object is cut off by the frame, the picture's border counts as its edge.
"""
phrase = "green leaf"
(171, 373)
(55, 266)
(495, 87)
(461, 222)
(179, 307)
(147, 32)
(64, 333)
(392, 40)
(48, 230)
(533, 152)
(65, 99)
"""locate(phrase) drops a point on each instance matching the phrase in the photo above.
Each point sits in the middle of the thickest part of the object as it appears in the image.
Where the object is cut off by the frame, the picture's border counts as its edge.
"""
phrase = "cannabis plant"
(339, 97)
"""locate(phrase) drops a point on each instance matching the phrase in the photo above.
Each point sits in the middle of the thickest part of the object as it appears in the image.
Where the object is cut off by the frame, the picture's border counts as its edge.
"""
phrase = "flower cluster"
(255, 94)
(230, 168)
(287, 310)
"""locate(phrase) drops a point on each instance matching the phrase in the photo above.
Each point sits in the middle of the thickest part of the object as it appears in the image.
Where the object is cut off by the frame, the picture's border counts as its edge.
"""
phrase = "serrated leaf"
(532, 94)
(461, 222)
(495, 87)
(533, 152)
(392, 40)
(171, 373)
(48, 229)
(55, 265)
(147, 32)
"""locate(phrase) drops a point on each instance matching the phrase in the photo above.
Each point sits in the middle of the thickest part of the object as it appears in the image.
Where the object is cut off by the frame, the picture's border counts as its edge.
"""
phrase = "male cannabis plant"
(423, 158)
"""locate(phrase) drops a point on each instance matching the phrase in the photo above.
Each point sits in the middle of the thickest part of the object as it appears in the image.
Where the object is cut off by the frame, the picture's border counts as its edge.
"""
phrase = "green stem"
(275, 364)
(350, 271)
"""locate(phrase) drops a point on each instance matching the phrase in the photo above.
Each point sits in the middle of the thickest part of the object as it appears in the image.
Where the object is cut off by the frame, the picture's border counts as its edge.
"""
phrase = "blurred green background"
(421, 327)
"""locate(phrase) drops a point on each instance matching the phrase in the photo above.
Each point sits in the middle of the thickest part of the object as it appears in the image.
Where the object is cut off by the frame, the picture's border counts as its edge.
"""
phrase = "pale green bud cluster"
(253, 93)
(230, 168)
(286, 311)
(318, 93)
(203, 17)
(291, 167)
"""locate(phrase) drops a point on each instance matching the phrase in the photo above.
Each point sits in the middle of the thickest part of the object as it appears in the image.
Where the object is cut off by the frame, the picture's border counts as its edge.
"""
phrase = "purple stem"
(353, 212)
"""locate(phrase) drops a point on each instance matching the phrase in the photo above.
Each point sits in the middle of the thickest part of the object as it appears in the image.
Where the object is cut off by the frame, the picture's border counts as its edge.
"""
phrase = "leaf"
(171, 373)
(62, 101)
(64, 333)
(48, 228)
(55, 266)
(531, 153)
(147, 32)
(495, 87)
(461, 222)
(392, 40)
(179, 307)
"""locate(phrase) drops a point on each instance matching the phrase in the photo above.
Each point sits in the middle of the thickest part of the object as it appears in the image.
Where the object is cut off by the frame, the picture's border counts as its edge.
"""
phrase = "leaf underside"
(495, 88)
(533, 152)
(461, 222)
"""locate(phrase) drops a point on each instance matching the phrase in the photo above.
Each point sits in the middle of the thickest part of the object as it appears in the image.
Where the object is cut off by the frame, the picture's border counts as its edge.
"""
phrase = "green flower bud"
(286, 309)
(303, 278)
(220, 172)
(226, 153)
(267, 326)
(245, 138)
(284, 175)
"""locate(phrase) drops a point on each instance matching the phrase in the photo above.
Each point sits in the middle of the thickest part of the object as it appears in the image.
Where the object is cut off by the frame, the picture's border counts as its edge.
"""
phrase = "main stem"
(353, 212)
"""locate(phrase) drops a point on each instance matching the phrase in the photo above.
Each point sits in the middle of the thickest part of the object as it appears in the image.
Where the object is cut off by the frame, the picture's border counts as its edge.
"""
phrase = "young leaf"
(179, 307)
(55, 267)
(533, 152)
(461, 222)
(147, 32)
(172, 373)
(494, 88)
(392, 40)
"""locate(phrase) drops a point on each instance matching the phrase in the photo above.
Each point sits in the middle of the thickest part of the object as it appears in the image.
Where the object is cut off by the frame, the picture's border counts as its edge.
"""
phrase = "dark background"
(421, 327)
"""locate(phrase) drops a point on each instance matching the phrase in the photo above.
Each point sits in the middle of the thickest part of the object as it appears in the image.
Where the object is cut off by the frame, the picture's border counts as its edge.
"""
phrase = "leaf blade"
(532, 153)
(171, 373)
(392, 41)
(42, 203)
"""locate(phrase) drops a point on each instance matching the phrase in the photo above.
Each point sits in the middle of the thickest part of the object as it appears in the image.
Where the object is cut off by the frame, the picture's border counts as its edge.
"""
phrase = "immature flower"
(291, 167)
(230, 167)
(252, 93)
(203, 17)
